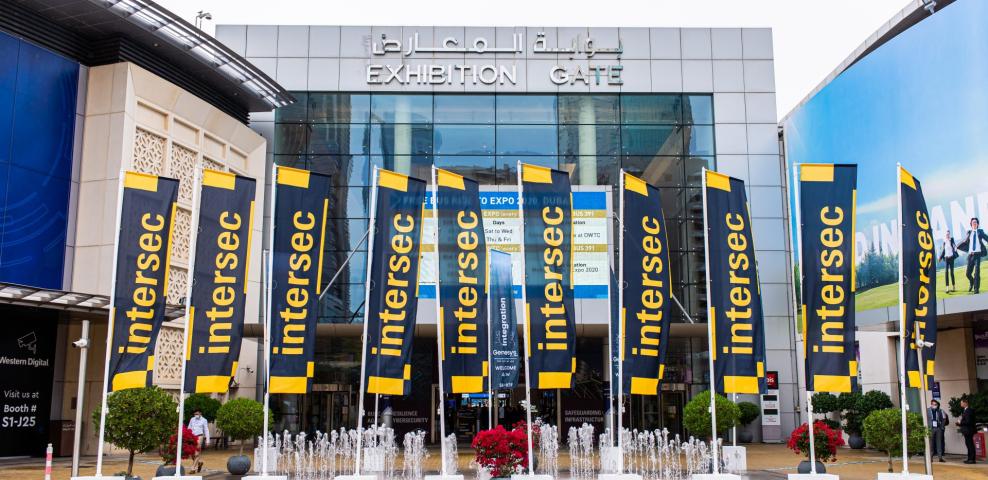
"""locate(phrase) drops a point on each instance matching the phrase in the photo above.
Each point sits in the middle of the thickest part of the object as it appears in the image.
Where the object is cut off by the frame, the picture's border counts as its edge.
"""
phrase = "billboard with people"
(918, 100)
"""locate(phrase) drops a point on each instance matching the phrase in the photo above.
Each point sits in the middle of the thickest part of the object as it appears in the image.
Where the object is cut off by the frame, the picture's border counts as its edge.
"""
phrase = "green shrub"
(824, 402)
(241, 419)
(883, 432)
(748, 412)
(138, 420)
(696, 414)
(201, 401)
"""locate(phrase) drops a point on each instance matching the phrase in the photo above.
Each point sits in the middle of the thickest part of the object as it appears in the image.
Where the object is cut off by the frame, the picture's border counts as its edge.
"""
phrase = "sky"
(811, 37)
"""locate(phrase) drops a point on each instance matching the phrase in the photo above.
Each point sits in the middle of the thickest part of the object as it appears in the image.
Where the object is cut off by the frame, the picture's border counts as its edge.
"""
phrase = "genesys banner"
(882, 111)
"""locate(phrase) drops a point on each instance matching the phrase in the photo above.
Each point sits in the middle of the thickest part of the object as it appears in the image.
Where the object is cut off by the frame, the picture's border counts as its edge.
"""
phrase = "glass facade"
(664, 138)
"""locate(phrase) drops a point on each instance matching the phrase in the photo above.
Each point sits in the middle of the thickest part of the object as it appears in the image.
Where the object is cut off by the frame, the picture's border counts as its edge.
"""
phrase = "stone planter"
(804, 467)
(165, 470)
(855, 441)
(238, 464)
(745, 436)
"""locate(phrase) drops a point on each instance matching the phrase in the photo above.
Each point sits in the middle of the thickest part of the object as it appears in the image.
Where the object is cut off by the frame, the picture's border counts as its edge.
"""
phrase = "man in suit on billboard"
(976, 245)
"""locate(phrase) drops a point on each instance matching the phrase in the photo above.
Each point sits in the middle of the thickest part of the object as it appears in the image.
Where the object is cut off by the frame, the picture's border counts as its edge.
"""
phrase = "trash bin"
(62, 436)
(979, 445)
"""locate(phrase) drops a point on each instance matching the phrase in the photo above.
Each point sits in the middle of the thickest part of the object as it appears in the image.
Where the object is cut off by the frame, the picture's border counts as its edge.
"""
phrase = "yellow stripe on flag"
(392, 180)
(293, 177)
(718, 181)
(816, 172)
(141, 181)
(535, 174)
(635, 184)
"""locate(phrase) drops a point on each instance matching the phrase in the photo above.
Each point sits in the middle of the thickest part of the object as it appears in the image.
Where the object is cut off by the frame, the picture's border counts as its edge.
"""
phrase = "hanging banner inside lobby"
(462, 283)
(393, 296)
(140, 287)
(919, 292)
(548, 244)
(504, 323)
(219, 281)
(733, 291)
(27, 376)
(301, 205)
(827, 195)
(647, 287)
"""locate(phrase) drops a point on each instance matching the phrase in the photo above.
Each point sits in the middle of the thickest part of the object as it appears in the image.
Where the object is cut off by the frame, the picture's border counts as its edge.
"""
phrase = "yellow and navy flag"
(646, 287)
(219, 281)
(733, 289)
(394, 273)
(827, 197)
(919, 273)
(547, 203)
(147, 216)
(462, 278)
(301, 205)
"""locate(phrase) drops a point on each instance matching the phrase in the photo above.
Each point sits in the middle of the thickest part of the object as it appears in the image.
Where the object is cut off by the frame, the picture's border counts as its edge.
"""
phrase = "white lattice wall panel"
(178, 285)
(181, 242)
(149, 152)
(212, 164)
(168, 357)
(182, 165)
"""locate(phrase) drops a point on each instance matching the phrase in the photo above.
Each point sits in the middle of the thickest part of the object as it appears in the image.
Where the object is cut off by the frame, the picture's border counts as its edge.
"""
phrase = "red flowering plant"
(190, 446)
(825, 441)
(502, 452)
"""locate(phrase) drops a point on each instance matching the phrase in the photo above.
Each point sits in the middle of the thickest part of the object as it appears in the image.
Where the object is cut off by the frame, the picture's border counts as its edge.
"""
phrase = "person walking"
(200, 428)
(976, 245)
(948, 254)
(966, 423)
(938, 424)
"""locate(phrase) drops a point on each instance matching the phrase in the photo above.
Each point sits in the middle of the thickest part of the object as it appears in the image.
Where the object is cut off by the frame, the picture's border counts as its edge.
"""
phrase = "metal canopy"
(14, 294)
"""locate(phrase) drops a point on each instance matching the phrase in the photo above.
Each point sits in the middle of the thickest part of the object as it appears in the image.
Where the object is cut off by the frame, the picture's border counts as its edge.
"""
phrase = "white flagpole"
(109, 327)
(439, 330)
(620, 345)
(710, 334)
(798, 252)
(269, 284)
(903, 403)
(524, 306)
(490, 354)
(193, 235)
(363, 352)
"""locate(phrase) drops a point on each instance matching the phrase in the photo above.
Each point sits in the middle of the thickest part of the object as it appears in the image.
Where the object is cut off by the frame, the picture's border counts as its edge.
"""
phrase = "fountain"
(547, 456)
(581, 451)
(414, 455)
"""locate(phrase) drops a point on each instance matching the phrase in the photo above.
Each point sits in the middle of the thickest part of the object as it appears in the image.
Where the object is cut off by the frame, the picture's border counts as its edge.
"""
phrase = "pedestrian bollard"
(48, 453)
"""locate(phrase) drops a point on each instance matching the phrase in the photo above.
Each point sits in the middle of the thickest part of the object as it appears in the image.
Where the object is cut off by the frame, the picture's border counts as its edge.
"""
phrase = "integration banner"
(393, 295)
(733, 290)
(147, 223)
(548, 246)
(504, 323)
(462, 283)
(919, 291)
(828, 194)
(219, 281)
(646, 287)
(300, 210)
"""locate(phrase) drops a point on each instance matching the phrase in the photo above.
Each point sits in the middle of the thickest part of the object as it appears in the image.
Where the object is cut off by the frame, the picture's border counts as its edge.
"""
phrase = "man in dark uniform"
(966, 423)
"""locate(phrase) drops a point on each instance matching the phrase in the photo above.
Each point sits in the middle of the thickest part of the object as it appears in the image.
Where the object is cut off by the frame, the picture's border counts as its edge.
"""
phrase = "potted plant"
(748, 412)
(240, 419)
(502, 452)
(190, 447)
(138, 420)
(825, 443)
(883, 431)
(696, 415)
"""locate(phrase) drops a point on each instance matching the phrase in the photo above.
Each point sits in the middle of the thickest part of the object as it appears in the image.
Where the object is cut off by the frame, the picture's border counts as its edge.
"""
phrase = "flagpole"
(710, 334)
(920, 344)
(441, 351)
(109, 327)
(269, 284)
(490, 355)
(620, 342)
(524, 306)
(903, 404)
(798, 253)
(363, 351)
(193, 235)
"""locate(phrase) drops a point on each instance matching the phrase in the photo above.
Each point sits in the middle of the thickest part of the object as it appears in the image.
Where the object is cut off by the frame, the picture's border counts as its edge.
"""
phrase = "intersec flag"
(919, 292)
(827, 195)
(301, 207)
(504, 323)
(147, 216)
(733, 289)
(548, 237)
(462, 277)
(393, 296)
(647, 287)
(219, 285)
